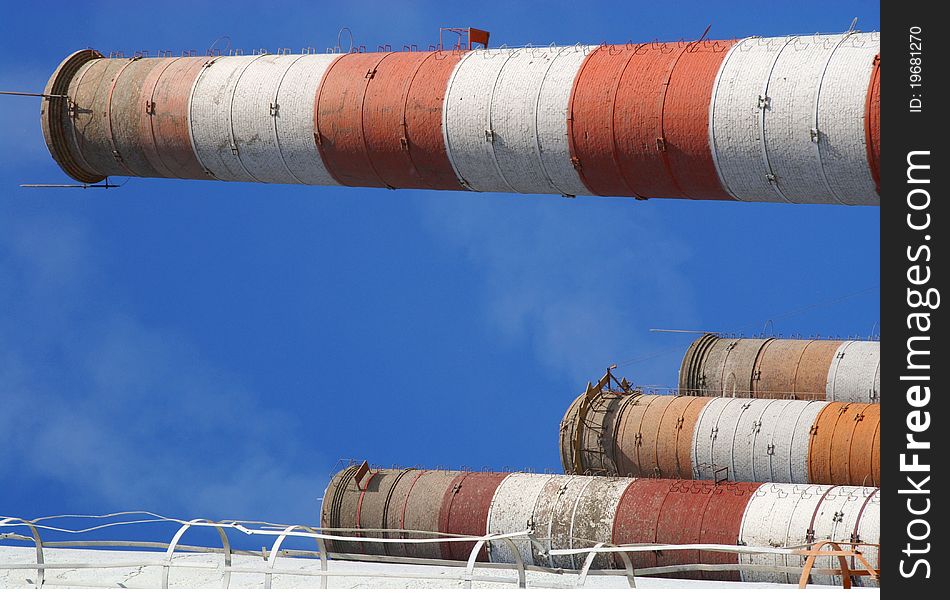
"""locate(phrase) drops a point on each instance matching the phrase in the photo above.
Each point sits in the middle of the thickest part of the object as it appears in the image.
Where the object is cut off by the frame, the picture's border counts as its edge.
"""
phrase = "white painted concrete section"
(739, 97)
(505, 120)
(210, 115)
(787, 119)
(553, 100)
(467, 120)
(706, 436)
(296, 98)
(781, 515)
(841, 112)
(855, 373)
(594, 514)
(756, 439)
(790, 120)
(181, 577)
(801, 439)
(512, 509)
(254, 113)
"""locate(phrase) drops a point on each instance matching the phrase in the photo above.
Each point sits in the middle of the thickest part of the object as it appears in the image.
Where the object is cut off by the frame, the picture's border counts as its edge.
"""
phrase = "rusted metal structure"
(753, 120)
(568, 512)
(833, 370)
(614, 429)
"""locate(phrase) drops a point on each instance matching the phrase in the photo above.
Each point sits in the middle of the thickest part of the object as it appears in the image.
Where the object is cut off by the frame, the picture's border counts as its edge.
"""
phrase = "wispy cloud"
(580, 281)
(125, 414)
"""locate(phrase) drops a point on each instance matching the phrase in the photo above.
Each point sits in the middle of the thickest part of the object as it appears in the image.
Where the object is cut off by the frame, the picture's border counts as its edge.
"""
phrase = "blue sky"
(212, 349)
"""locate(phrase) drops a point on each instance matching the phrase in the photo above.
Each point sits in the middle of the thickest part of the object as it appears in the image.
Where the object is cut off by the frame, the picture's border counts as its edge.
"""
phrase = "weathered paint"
(639, 120)
(126, 108)
(782, 368)
(464, 511)
(338, 120)
(212, 116)
(793, 515)
(402, 126)
(854, 375)
(513, 509)
(506, 120)
(169, 118)
(90, 94)
(571, 511)
(792, 369)
(691, 369)
(373, 505)
(657, 442)
(872, 122)
(55, 117)
(842, 109)
(788, 119)
(256, 109)
(296, 101)
(333, 514)
(642, 120)
(844, 444)
(682, 512)
(421, 508)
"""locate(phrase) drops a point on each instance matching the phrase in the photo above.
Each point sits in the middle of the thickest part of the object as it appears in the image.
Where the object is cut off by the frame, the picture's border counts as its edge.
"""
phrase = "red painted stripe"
(872, 122)
(668, 511)
(378, 120)
(464, 511)
(638, 120)
(170, 121)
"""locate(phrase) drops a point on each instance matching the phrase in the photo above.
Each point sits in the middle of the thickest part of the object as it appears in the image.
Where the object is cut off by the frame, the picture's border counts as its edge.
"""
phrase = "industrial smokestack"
(792, 119)
(576, 511)
(833, 370)
(607, 432)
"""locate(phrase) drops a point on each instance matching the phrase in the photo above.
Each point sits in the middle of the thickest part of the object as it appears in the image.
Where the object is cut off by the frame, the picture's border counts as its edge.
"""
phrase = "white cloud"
(130, 416)
(578, 280)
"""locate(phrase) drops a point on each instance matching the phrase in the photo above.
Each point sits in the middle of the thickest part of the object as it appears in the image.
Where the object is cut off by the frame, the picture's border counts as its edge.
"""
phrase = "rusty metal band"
(369, 159)
(639, 436)
(613, 129)
(232, 139)
(445, 511)
(810, 534)
(855, 538)
(770, 175)
(571, 146)
(405, 112)
(798, 365)
(402, 515)
(656, 440)
(730, 346)
(834, 431)
(491, 101)
(875, 82)
(150, 111)
(387, 503)
(855, 421)
(280, 151)
(317, 135)
(821, 80)
(755, 362)
(359, 507)
(112, 144)
(73, 114)
(336, 505)
(620, 427)
(661, 146)
(58, 109)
